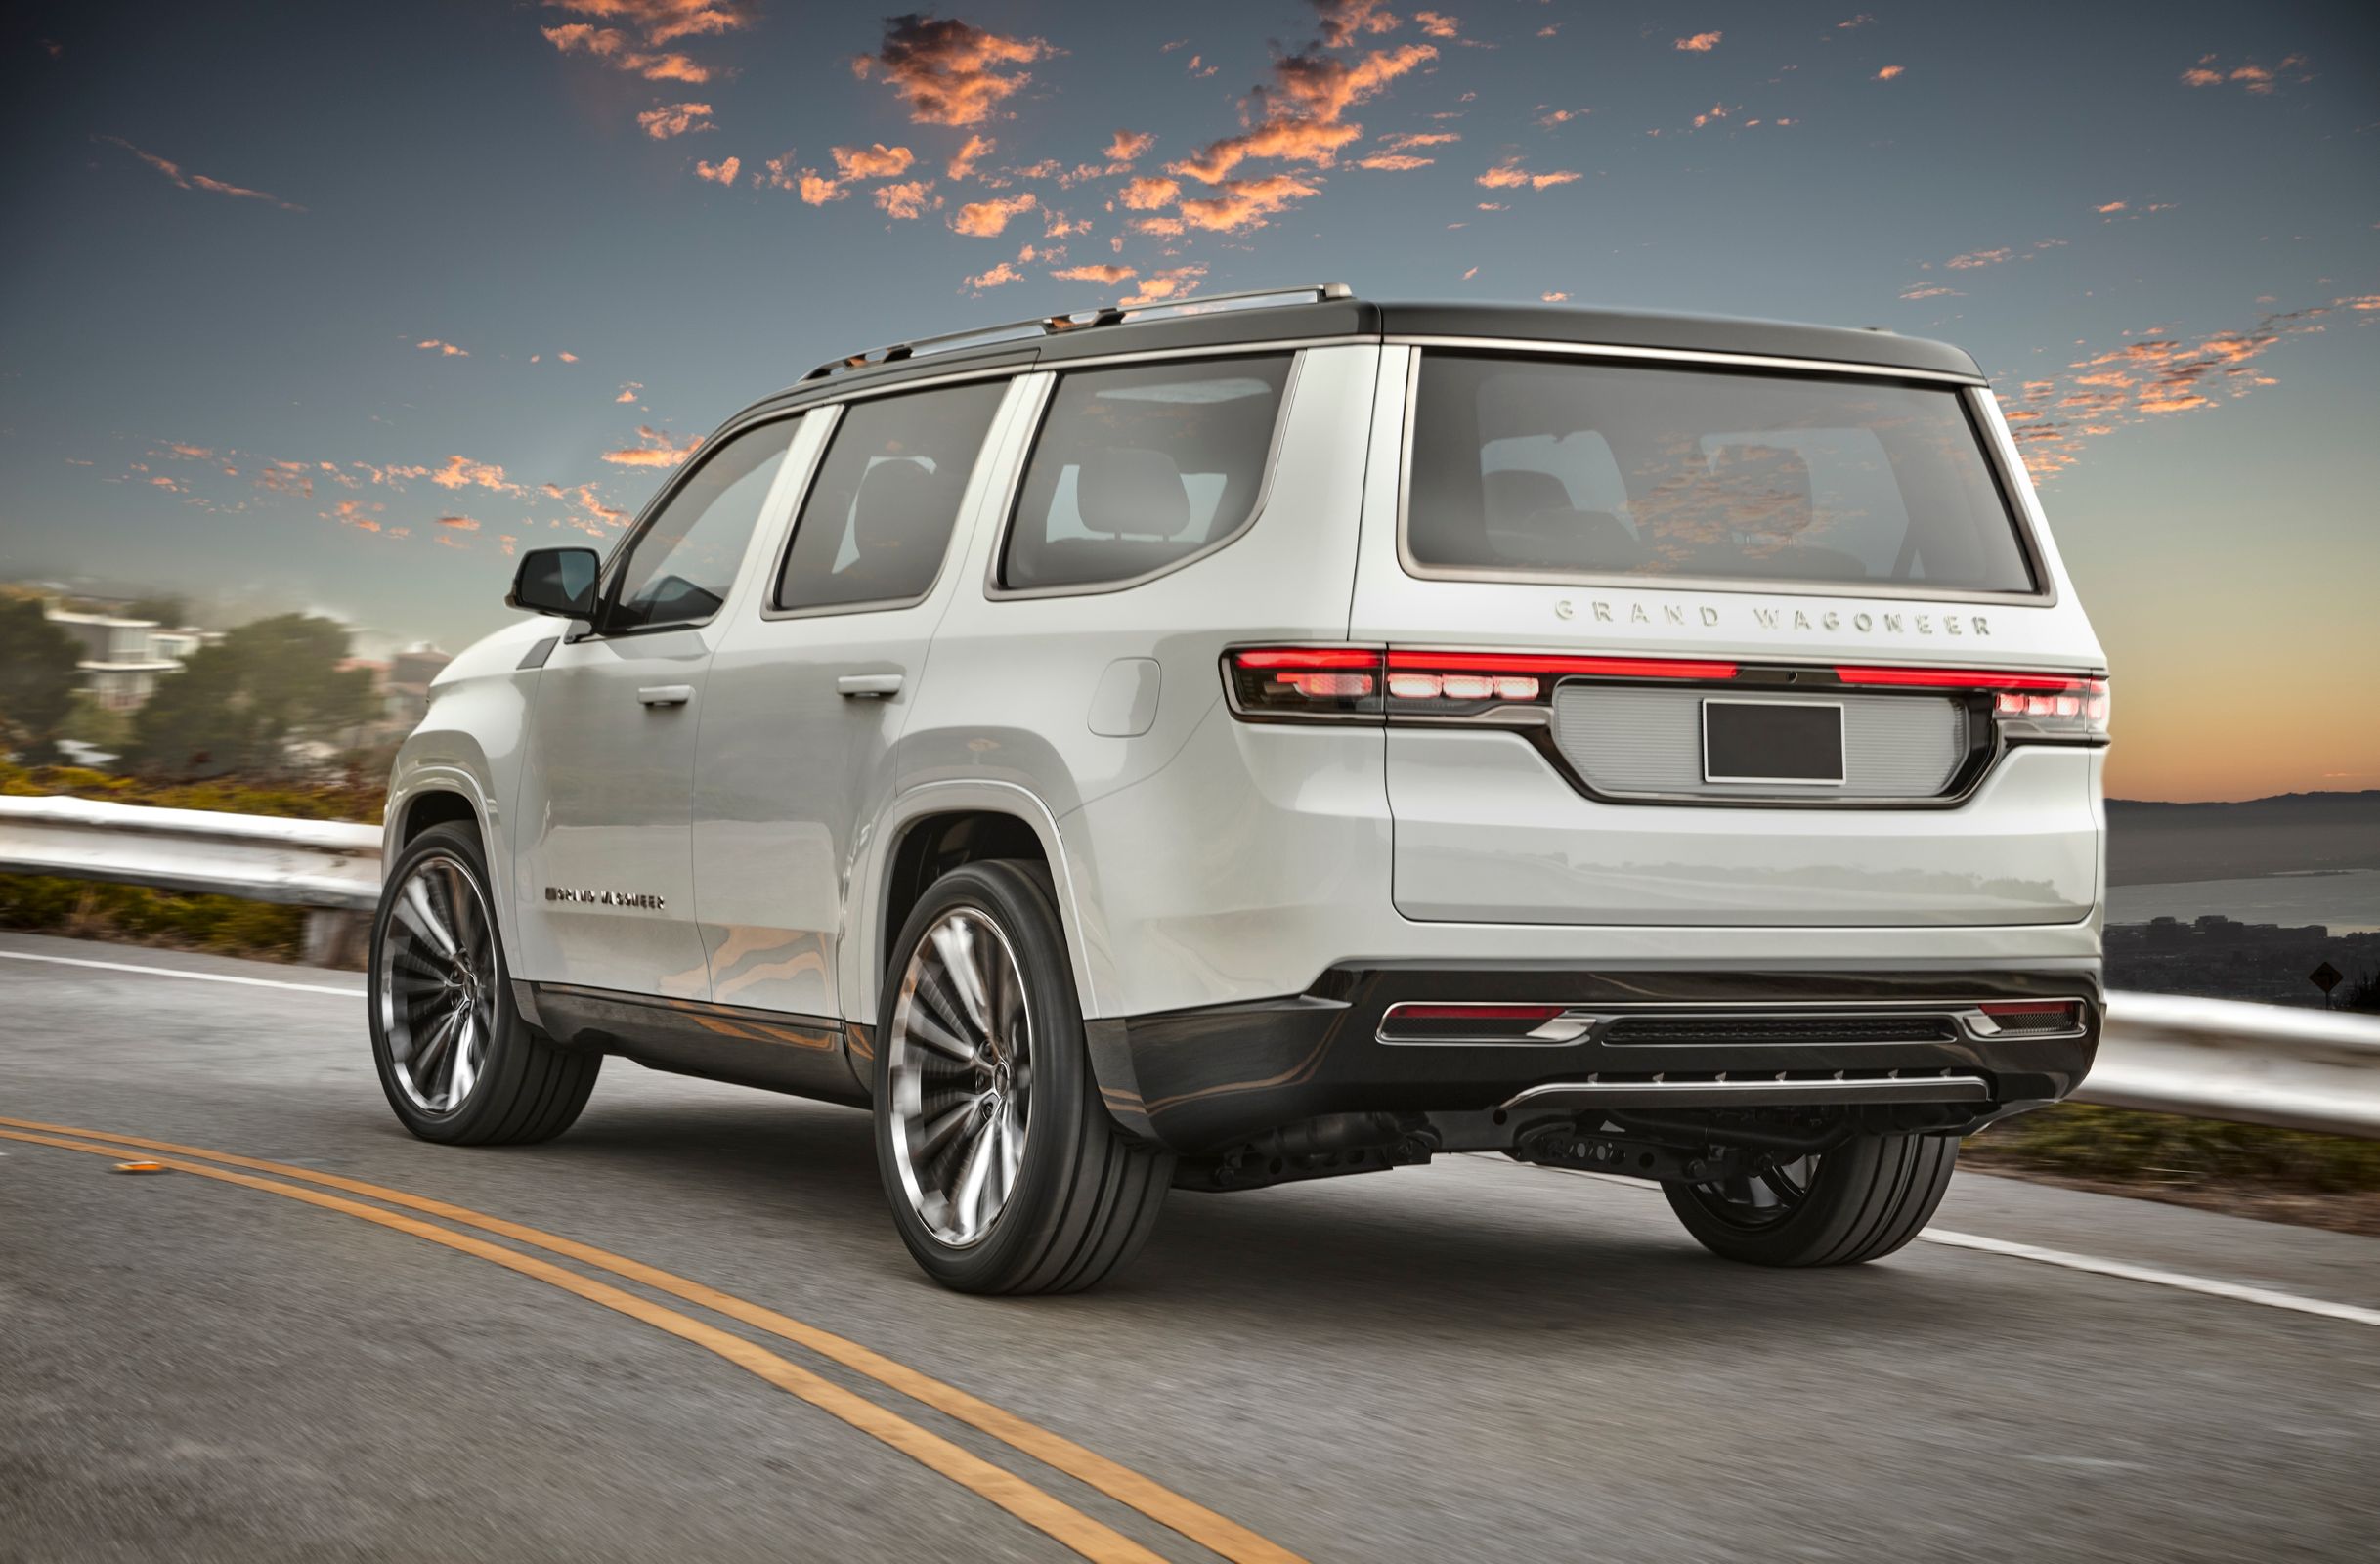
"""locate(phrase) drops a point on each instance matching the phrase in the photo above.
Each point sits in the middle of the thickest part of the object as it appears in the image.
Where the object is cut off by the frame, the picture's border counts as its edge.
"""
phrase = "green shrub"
(2085, 1141)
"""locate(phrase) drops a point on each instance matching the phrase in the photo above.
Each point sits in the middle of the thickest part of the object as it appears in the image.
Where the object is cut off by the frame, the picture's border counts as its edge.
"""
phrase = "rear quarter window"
(1530, 466)
(1140, 467)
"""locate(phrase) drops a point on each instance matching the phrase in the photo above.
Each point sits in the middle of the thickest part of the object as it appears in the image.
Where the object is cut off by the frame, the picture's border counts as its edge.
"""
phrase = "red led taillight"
(2025, 706)
(1305, 681)
(1289, 682)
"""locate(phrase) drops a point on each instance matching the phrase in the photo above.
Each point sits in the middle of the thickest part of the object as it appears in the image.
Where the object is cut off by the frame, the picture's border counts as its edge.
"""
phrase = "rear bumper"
(1200, 1079)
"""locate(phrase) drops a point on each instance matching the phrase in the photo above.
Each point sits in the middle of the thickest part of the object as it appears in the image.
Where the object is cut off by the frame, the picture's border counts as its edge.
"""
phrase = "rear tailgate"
(1724, 751)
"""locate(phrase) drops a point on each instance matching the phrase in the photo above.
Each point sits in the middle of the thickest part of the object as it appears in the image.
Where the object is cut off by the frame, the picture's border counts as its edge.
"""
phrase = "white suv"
(1284, 736)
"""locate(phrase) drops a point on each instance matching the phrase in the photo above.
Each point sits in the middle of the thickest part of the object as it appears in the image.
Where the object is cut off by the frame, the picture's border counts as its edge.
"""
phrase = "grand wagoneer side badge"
(606, 899)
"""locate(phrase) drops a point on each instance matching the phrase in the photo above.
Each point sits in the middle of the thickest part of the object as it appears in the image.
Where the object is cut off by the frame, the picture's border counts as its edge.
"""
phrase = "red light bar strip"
(1583, 666)
(1955, 679)
(2027, 1007)
(1308, 656)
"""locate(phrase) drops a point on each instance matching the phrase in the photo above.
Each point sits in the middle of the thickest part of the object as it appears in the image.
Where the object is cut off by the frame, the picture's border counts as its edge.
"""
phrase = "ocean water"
(2348, 901)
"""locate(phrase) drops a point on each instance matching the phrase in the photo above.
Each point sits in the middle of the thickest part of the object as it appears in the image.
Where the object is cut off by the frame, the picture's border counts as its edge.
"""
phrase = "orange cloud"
(963, 161)
(1241, 205)
(1301, 115)
(1159, 227)
(1172, 283)
(1553, 298)
(998, 276)
(906, 200)
(1914, 293)
(1979, 258)
(2111, 206)
(1095, 274)
(675, 119)
(463, 472)
(1438, 25)
(656, 450)
(1701, 43)
(173, 171)
(1150, 193)
(629, 390)
(986, 219)
(567, 357)
(1889, 71)
(655, 22)
(191, 452)
(610, 46)
(1509, 175)
(458, 523)
(1407, 141)
(1393, 163)
(722, 172)
(443, 349)
(879, 161)
(1342, 21)
(947, 71)
(1127, 145)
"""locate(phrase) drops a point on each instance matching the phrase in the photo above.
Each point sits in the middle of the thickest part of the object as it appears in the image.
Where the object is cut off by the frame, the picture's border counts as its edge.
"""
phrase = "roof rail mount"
(1078, 320)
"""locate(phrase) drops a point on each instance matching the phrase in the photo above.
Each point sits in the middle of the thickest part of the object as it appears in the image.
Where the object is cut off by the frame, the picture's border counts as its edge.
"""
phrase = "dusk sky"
(336, 306)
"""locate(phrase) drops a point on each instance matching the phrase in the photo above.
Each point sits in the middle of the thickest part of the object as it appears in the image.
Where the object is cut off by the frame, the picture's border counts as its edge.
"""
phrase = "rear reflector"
(2034, 1014)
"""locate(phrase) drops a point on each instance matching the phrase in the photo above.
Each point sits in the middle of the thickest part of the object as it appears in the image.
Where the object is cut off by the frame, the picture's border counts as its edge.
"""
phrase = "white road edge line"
(176, 971)
(2236, 1291)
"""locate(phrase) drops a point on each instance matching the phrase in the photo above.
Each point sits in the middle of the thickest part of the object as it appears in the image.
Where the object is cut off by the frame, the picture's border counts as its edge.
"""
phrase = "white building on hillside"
(122, 659)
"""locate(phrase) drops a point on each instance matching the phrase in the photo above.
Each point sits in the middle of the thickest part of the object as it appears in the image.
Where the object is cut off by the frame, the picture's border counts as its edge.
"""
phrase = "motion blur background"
(311, 316)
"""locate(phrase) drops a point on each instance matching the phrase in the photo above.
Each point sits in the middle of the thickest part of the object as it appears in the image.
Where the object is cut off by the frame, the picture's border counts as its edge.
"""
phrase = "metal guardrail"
(2219, 1058)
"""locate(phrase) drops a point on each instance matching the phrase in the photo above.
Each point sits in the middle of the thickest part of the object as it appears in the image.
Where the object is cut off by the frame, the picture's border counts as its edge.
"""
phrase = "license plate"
(1788, 743)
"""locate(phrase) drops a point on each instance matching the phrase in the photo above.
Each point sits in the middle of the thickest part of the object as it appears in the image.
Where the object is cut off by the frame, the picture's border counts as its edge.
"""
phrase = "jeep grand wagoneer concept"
(1289, 736)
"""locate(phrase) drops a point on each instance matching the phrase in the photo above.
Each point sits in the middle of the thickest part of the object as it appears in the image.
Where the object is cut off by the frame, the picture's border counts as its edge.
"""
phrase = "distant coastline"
(2291, 834)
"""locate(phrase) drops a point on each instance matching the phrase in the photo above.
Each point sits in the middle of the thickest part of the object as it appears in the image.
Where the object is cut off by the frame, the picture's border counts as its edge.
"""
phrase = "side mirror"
(556, 580)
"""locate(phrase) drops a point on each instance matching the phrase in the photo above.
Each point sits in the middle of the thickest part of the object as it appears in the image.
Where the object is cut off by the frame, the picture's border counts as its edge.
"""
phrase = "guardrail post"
(336, 938)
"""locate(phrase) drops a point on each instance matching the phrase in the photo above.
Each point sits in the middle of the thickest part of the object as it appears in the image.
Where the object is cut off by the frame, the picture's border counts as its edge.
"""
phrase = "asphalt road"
(1469, 1361)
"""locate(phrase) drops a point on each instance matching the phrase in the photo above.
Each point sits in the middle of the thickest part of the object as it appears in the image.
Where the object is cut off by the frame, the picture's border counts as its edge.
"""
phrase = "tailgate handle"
(666, 694)
(868, 686)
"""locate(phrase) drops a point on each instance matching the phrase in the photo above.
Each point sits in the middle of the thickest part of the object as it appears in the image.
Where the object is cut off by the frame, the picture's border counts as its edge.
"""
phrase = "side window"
(679, 569)
(1143, 465)
(879, 516)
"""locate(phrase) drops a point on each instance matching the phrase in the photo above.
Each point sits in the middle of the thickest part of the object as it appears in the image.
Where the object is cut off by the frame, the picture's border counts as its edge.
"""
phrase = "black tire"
(1865, 1198)
(1084, 1194)
(526, 1088)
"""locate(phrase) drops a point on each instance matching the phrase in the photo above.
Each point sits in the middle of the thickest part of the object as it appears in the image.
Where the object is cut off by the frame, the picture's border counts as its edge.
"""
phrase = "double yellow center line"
(1085, 1536)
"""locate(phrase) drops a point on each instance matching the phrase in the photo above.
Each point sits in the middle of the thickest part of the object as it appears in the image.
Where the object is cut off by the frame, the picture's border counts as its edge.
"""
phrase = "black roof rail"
(1079, 320)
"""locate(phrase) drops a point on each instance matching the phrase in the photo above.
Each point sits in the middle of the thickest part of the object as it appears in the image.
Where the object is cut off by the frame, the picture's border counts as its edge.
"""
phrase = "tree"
(163, 607)
(103, 727)
(237, 706)
(37, 676)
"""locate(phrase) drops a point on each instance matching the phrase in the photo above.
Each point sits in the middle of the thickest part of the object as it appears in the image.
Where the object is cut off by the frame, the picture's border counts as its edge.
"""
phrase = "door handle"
(868, 686)
(666, 694)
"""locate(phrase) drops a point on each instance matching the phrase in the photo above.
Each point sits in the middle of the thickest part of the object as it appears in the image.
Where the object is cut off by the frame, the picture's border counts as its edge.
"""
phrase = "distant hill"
(2160, 843)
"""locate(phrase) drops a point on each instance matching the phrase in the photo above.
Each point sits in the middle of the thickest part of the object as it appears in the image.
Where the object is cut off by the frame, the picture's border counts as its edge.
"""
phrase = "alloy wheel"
(1761, 1199)
(438, 982)
(961, 1072)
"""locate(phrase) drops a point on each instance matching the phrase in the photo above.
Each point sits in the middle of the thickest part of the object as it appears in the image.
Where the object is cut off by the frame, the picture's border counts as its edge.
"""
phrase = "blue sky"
(232, 231)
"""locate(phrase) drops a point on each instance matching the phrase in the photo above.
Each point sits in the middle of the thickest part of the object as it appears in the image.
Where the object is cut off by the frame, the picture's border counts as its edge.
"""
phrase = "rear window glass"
(1530, 466)
(1140, 467)
(879, 514)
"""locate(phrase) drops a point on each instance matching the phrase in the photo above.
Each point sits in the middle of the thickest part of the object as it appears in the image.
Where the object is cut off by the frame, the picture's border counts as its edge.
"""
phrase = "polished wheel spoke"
(961, 1080)
(438, 972)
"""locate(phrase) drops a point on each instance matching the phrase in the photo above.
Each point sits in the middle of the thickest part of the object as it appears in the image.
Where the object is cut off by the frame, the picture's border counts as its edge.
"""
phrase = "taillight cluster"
(1307, 683)
(2025, 706)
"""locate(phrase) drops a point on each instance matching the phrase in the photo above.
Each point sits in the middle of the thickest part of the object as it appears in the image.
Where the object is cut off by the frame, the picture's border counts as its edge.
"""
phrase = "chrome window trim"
(2044, 594)
(826, 448)
(994, 591)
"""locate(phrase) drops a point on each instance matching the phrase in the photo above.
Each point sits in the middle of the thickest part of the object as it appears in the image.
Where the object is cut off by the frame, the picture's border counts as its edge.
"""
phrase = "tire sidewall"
(1012, 899)
(1819, 1226)
(479, 1111)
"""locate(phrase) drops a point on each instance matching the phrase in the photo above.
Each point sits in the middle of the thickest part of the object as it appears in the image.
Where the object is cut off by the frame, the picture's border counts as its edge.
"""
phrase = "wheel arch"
(935, 828)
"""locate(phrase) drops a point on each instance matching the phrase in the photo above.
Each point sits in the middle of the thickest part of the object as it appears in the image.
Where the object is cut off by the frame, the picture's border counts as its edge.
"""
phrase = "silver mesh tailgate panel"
(1625, 739)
